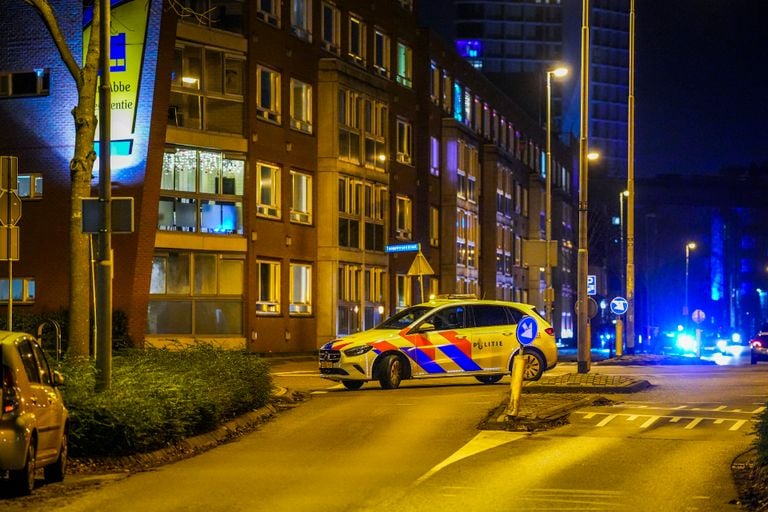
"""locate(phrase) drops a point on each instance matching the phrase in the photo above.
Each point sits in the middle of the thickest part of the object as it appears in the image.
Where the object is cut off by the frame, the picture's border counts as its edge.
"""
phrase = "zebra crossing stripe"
(737, 425)
(693, 423)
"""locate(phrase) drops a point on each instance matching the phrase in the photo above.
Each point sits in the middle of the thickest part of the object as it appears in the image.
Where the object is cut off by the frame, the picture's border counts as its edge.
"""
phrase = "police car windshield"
(404, 318)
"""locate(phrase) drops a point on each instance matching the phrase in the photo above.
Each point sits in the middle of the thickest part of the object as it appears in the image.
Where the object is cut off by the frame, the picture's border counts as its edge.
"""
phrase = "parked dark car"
(759, 347)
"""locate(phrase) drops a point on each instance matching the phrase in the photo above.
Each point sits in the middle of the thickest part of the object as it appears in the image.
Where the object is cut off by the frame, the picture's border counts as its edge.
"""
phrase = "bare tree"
(80, 168)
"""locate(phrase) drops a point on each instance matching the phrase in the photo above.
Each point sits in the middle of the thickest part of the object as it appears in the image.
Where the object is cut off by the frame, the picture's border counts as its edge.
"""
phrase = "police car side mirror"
(426, 326)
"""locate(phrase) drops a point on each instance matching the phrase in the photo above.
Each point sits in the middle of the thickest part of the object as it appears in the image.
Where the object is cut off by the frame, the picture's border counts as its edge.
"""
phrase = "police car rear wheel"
(489, 379)
(534, 365)
(391, 372)
(353, 384)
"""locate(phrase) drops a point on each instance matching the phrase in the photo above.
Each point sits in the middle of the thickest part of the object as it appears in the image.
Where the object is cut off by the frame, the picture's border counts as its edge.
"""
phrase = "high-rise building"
(515, 42)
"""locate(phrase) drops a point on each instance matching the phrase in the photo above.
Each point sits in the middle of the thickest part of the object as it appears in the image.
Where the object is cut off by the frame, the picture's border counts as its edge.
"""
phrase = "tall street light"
(583, 342)
(549, 294)
(622, 195)
(688, 248)
(630, 323)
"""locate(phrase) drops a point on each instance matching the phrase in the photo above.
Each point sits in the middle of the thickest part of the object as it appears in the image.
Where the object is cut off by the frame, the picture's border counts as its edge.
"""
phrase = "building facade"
(278, 154)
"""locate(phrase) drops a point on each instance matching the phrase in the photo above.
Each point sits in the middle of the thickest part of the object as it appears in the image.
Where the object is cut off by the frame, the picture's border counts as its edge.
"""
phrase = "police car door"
(493, 336)
(442, 346)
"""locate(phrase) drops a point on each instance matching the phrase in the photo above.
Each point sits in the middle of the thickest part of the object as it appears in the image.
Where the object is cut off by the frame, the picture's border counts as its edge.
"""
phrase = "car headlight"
(357, 351)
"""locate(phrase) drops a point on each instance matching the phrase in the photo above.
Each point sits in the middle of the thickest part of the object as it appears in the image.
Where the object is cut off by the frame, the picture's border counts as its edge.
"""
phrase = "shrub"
(160, 396)
(761, 441)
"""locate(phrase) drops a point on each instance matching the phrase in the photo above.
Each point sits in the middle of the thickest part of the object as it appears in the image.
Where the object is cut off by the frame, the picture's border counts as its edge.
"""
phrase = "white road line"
(606, 420)
(675, 419)
(758, 410)
(589, 415)
(721, 408)
(719, 421)
(737, 425)
(649, 422)
(693, 423)
(632, 417)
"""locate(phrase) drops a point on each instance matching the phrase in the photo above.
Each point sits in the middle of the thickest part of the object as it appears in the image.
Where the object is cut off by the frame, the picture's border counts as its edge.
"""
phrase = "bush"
(761, 441)
(158, 397)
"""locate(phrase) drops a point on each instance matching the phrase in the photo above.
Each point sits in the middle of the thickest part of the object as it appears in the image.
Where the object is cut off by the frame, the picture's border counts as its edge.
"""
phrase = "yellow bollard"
(516, 384)
(619, 337)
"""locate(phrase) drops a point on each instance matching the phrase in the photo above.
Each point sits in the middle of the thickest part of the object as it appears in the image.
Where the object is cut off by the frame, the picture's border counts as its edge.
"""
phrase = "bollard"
(619, 337)
(516, 383)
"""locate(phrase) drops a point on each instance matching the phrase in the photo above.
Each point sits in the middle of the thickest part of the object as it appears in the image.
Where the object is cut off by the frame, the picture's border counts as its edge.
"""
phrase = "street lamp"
(688, 248)
(583, 341)
(549, 294)
(622, 195)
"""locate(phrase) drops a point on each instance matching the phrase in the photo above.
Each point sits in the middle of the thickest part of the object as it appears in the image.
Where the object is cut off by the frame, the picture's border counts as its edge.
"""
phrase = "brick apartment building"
(274, 150)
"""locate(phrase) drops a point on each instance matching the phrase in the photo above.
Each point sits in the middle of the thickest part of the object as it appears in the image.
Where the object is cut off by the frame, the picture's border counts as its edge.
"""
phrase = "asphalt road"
(418, 448)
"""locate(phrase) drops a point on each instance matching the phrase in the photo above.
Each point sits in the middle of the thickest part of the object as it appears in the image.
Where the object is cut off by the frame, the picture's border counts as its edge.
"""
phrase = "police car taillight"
(550, 331)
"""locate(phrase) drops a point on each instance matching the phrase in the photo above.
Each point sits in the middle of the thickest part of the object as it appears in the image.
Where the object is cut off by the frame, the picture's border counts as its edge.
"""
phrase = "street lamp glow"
(691, 246)
(549, 292)
(593, 155)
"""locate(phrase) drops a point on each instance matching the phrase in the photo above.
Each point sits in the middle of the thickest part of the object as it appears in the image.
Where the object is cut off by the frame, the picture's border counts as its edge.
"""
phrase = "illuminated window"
(375, 205)
(434, 156)
(301, 19)
(349, 125)
(268, 11)
(349, 296)
(30, 186)
(207, 90)
(381, 53)
(268, 94)
(301, 106)
(201, 191)
(267, 287)
(446, 92)
(434, 226)
(331, 28)
(356, 41)
(349, 199)
(301, 289)
(402, 291)
(375, 130)
(196, 293)
(23, 289)
(404, 141)
(268, 191)
(404, 65)
(301, 198)
(403, 217)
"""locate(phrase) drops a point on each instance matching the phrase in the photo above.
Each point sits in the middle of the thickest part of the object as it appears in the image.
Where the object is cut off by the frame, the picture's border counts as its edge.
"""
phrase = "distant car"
(34, 422)
(445, 337)
(759, 347)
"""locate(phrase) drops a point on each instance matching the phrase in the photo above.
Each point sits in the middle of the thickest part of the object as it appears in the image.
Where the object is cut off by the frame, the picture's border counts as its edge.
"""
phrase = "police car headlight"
(357, 351)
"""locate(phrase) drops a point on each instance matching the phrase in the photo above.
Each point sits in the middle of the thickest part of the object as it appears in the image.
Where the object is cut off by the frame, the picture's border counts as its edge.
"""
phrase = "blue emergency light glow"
(402, 248)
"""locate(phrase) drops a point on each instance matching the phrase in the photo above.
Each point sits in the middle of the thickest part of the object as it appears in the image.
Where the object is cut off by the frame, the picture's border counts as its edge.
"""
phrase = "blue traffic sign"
(402, 248)
(527, 329)
(619, 306)
(591, 284)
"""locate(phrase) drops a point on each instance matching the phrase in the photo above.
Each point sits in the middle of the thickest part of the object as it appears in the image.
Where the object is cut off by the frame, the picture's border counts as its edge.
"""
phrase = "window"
(403, 217)
(268, 11)
(434, 156)
(219, 14)
(201, 192)
(404, 65)
(30, 186)
(349, 126)
(23, 289)
(374, 129)
(268, 191)
(348, 303)
(207, 87)
(267, 287)
(467, 172)
(196, 293)
(356, 43)
(404, 141)
(301, 19)
(331, 28)
(301, 289)
(434, 83)
(349, 198)
(268, 94)
(375, 199)
(301, 198)
(402, 291)
(447, 91)
(381, 53)
(374, 285)
(301, 106)
(434, 226)
(36, 82)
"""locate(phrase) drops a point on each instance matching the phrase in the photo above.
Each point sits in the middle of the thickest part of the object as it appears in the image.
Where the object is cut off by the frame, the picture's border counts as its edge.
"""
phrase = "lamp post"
(622, 195)
(630, 333)
(688, 248)
(549, 294)
(583, 342)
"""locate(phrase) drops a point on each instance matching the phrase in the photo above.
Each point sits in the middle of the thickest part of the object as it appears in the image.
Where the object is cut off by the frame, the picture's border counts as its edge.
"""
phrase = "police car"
(444, 337)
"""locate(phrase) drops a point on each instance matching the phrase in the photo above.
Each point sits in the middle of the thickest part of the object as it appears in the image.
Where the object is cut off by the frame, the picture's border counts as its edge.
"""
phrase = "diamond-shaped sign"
(10, 207)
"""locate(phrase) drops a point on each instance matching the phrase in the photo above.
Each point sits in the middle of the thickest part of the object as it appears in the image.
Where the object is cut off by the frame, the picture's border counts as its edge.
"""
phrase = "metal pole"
(104, 256)
(548, 293)
(630, 327)
(621, 242)
(583, 340)
(685, 302)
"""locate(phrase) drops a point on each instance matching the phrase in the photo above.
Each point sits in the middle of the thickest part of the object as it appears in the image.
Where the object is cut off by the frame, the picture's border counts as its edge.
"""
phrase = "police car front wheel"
(391, 372)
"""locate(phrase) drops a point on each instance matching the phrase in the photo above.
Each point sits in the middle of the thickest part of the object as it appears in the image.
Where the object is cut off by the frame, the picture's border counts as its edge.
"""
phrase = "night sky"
(701, 99)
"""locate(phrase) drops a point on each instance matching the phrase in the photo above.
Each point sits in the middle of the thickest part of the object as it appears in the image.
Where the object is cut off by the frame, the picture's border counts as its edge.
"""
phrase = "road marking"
(737, 425)
(589, 415)
(297, 373)
(649, 422)
(721, 408)
(719, 421)
(758, 410)
(632, 417)
(693, 423)
(485, 440)
(675, 419)
(606, 420)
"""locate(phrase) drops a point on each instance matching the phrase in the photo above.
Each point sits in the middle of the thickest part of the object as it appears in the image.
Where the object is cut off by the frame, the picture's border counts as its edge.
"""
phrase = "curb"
(633, 387)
